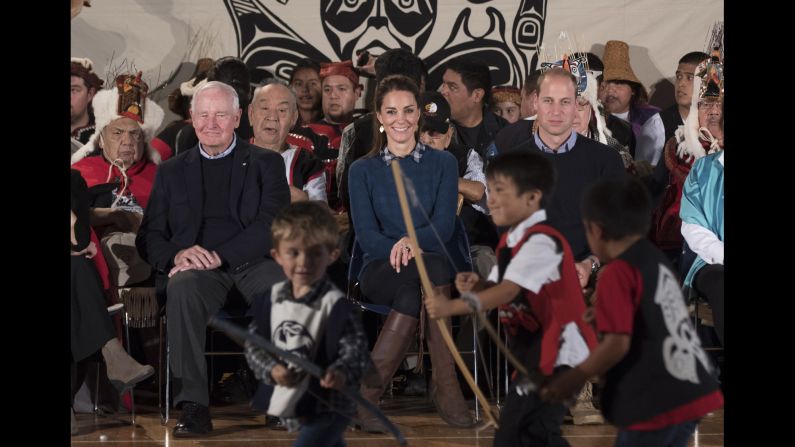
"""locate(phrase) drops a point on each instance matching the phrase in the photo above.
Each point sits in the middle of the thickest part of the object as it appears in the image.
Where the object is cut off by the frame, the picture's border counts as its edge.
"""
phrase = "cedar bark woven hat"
(616, 60)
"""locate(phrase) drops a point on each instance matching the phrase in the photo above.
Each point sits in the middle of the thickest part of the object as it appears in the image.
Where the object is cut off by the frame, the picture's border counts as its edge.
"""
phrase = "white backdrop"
(165, 37)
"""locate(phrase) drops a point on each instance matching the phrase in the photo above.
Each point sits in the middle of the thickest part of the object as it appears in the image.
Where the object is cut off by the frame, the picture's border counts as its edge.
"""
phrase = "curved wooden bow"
(237, 333)
(427, 287)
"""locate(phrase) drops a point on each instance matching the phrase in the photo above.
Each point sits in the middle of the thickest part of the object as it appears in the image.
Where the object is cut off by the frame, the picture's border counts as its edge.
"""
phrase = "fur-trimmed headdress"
(84, 68)
(203, 67)
(576, 63)
(127, 99)
(707, 83)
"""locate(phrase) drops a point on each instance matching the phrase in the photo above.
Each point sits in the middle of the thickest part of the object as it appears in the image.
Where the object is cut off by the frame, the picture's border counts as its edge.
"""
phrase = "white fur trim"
(105, 103)
(85, 62)
(88, 148)
(187, 88)
(591, 95)
(688, 135)
(81, 153)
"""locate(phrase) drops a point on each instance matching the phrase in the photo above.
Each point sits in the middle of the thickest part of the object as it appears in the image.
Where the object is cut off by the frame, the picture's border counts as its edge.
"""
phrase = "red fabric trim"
(315, 175)
(694, 409)
(557, 304)
(132, 116)
(99, 262)
(162, 148)
(618, 292)
(342, 68)
(300, 141)
(331, 131)
(94, 170)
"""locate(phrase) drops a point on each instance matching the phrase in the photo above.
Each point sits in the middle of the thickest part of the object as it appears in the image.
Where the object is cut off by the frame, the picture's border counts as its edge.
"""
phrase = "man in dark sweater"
(207, 227)
(579, 161)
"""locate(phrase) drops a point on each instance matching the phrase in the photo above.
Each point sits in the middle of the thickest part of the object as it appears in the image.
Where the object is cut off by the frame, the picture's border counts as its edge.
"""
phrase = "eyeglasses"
(582, 103)
(135, 134)
(706, 105)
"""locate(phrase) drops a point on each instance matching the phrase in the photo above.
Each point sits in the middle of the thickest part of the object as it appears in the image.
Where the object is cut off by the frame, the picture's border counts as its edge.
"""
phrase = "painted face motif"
(376, 25)
(510, 44)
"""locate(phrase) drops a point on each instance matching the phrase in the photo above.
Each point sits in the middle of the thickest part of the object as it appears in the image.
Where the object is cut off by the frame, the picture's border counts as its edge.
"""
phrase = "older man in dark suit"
(207, 226)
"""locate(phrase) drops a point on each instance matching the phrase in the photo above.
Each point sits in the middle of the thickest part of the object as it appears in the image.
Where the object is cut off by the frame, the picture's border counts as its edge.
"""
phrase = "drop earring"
(381, 129)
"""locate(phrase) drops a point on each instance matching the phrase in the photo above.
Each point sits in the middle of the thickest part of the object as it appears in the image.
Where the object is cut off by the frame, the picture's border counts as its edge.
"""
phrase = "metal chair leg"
(163, 374)
(96, 388)
(127, 336)
(168, 380)
(475, 361)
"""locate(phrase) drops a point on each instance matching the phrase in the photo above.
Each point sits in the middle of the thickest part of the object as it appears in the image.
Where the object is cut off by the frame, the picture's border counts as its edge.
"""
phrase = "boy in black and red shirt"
(658, 381)
(536, 288)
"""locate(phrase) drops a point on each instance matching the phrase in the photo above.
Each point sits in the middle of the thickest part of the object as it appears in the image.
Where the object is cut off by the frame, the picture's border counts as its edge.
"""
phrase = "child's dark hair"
(528, 170)
(620, 205)
(309, 221)
(304, 64)
(693, 57)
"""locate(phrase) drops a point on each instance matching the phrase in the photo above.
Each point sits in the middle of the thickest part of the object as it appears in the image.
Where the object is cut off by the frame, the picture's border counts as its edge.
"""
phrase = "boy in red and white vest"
(536, 288)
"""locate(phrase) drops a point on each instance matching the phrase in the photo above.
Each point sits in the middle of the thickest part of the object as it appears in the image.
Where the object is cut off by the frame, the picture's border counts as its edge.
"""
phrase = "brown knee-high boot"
(388, 352)
(445, 390)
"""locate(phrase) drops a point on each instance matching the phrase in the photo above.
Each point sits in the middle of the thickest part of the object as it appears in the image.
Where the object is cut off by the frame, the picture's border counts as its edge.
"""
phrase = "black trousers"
(381, 284)
(709, 283)
(193, 296)
(527, 421)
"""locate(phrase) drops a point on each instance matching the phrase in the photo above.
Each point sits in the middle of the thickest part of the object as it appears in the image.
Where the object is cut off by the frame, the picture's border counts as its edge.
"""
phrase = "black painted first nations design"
(507, 39)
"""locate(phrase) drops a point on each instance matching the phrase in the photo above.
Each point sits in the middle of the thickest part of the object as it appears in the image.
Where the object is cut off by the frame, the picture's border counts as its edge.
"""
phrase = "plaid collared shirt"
(415, 153)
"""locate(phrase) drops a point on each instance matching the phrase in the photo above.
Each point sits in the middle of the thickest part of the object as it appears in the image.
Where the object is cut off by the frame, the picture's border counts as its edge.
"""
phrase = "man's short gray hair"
(271, 81)
(215, 85)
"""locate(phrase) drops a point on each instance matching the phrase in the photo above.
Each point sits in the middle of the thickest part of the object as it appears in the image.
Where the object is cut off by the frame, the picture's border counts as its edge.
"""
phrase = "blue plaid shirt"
(415, 153)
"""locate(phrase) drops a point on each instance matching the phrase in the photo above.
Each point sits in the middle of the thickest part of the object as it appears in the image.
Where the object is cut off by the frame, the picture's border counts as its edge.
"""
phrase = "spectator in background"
(626, 97)
(272, 113)
(85, 84)
(305, 82)
(167, 141)
(507, 103)
(660, 127)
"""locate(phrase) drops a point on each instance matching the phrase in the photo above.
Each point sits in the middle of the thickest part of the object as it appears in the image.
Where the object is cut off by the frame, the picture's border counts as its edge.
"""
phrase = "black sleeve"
(80, 207)
(309, 165)
(360, 146)
(659, 180)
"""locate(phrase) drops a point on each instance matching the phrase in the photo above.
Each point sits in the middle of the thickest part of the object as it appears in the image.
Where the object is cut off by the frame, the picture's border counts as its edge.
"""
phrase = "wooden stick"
(428, 288)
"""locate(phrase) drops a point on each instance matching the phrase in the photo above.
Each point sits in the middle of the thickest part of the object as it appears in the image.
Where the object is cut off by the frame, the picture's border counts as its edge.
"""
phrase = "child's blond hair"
(311, 222)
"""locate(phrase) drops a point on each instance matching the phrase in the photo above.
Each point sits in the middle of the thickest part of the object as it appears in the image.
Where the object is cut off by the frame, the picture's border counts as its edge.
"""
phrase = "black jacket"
(173, 216)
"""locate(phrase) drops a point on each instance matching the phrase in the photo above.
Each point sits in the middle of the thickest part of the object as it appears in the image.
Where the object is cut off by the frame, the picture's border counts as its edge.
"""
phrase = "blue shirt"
(565, 147)
(702, 201)
(222, 154)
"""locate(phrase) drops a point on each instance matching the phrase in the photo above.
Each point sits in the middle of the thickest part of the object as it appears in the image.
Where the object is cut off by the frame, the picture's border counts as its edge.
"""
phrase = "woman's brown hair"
(389, 84)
